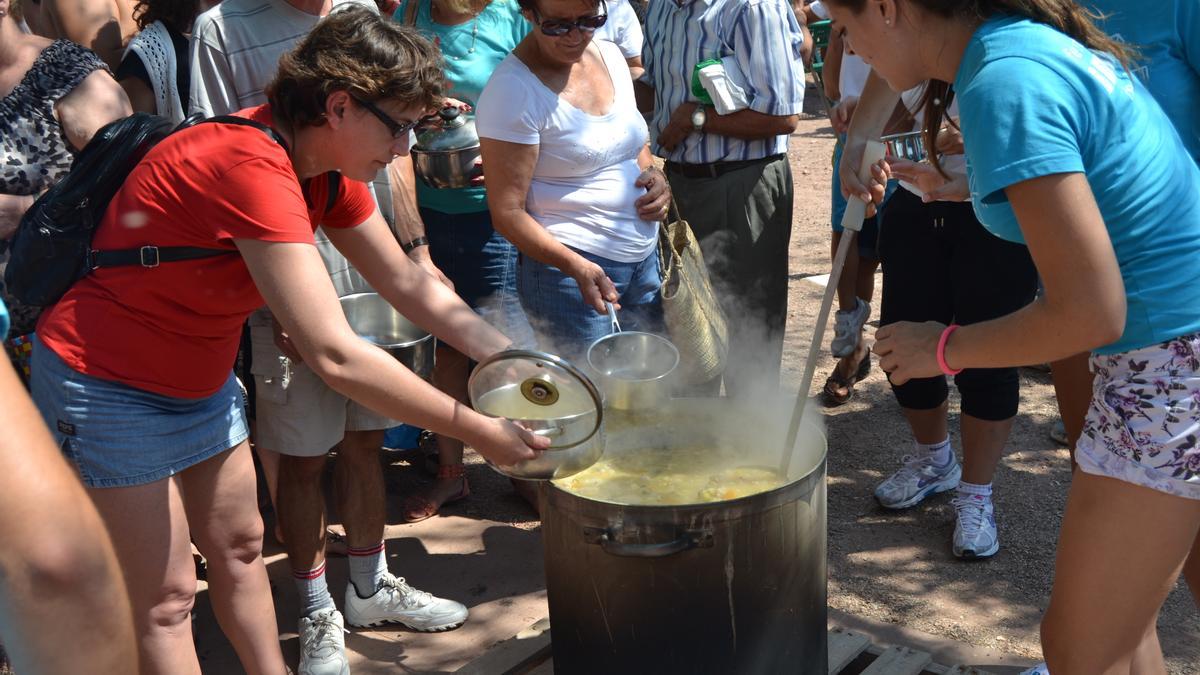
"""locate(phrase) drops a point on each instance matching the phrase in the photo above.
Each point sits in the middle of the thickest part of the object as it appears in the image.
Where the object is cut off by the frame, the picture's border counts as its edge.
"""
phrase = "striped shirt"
(236, 47)
(764, 38)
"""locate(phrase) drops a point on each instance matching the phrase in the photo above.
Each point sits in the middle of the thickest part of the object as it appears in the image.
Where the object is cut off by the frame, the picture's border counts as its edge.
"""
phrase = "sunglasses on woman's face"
(398, 129)
(560, 27)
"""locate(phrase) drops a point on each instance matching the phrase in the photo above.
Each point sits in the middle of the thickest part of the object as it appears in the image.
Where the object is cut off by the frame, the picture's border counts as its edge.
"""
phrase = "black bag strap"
(244, 122)
(153, 256)
(335, 183)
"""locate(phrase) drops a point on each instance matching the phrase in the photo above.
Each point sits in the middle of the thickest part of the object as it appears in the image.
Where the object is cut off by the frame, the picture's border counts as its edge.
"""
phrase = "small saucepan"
(634, 368)
(373, 319)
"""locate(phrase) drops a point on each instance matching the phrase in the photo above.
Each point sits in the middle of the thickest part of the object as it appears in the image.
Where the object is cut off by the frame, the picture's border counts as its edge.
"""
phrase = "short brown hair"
(356, 50)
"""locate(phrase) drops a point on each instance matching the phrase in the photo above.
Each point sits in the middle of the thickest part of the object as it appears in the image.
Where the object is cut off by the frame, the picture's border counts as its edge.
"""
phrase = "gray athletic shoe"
(847, 328)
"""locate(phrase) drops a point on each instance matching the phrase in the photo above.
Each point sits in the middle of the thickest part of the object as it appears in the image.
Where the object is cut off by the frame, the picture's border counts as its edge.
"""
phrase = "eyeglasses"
(560, 27)
(398, 129)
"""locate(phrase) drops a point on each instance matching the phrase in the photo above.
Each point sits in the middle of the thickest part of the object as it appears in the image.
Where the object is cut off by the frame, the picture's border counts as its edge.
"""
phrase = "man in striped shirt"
(730, 173)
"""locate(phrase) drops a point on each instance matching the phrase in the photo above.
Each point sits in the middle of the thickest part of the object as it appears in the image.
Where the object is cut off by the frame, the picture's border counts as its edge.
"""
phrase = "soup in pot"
(674, 476)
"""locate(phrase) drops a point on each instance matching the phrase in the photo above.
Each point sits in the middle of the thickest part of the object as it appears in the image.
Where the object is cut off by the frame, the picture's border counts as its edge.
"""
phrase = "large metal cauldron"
(733, 587)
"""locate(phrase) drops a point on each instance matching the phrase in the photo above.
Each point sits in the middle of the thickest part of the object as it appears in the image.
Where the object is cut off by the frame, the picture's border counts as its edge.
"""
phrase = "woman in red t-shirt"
(132, 366)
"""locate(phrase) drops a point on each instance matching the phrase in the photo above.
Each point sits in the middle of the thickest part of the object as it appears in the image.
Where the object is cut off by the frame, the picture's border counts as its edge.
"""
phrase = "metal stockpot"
(729, 587)
(446, 156)
(634, 369)
(372, 318)
(551, 397)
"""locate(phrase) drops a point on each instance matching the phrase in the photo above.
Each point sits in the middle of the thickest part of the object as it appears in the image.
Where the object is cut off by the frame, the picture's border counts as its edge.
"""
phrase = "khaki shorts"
(300, 415)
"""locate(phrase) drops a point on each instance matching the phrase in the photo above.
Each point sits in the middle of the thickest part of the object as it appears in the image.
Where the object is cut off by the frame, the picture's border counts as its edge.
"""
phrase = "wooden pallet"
(850, 653)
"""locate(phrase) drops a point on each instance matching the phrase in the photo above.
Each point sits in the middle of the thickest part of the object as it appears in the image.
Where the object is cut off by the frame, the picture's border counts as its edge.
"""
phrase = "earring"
(887, 22)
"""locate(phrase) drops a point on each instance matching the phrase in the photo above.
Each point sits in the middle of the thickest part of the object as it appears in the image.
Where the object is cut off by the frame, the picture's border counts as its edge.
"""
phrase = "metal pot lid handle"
(541, 377)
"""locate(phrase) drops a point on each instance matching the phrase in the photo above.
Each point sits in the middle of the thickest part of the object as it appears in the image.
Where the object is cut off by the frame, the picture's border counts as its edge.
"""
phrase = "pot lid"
(541, 391)
(457, 132)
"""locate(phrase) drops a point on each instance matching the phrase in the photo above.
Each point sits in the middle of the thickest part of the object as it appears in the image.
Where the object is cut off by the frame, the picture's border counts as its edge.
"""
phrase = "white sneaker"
(847, 328)
(975, 532)
(1039, 669)
(323, 644)
(916, 480)
(397, 602)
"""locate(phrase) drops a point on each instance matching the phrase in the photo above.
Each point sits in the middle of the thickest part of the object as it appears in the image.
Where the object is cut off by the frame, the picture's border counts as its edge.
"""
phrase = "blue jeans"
(566, 326)
(483, 266)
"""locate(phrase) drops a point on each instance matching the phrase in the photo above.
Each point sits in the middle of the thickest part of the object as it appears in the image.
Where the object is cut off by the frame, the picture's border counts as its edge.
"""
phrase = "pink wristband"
(941, 350)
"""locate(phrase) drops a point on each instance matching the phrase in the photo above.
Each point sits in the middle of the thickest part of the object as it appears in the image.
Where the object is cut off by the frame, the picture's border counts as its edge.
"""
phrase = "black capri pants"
(940, 264)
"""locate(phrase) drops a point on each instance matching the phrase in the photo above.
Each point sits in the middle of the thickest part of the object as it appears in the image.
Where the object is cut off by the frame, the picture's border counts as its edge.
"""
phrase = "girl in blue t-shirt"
(1069, 154)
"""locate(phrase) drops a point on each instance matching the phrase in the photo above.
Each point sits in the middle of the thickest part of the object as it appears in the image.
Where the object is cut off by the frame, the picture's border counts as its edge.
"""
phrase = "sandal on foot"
(836, 380)
(421, 507)
(335, 543)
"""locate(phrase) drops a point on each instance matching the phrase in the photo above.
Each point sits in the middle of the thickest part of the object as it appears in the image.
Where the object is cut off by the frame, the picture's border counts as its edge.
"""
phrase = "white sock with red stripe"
(367, 568)
(314, 592)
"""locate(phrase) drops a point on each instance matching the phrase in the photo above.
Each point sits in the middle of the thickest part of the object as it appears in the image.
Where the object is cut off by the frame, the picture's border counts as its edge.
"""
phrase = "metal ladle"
(852, 219)
(612, 316)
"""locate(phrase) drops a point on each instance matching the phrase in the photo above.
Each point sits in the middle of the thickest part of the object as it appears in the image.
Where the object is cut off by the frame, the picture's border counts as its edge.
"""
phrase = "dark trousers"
(743, 220)
(940, 264)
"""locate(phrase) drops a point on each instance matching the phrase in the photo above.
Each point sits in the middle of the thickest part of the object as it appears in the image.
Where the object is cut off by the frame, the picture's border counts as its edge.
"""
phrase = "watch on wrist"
(699, 117)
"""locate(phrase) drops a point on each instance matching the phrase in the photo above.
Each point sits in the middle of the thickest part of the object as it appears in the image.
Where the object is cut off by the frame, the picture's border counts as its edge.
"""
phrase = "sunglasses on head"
(398, 129)
(560, 27)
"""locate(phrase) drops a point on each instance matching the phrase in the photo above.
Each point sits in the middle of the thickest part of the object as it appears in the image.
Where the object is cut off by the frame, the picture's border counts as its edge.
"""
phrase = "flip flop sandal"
(835, 381)
(335, 543)
(420, 507)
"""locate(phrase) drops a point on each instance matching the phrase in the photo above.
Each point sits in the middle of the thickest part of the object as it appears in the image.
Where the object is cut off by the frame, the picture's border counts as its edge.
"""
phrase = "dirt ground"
(884, 567)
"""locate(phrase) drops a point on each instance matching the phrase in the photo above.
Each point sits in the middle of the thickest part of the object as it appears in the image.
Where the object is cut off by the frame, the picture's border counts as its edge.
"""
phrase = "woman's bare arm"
(296, 286)
(63, 604)
(97, 101)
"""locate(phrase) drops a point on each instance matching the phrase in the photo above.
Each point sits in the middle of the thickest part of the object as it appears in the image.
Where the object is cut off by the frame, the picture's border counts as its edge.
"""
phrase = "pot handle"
(689, 539)
(549, 433)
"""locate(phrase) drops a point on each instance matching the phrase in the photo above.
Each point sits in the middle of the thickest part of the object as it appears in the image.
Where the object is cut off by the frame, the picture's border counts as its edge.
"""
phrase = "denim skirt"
(121, 436)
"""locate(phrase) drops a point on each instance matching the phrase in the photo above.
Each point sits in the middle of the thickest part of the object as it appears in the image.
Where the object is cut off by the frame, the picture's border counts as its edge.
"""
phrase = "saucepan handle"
(686, 540)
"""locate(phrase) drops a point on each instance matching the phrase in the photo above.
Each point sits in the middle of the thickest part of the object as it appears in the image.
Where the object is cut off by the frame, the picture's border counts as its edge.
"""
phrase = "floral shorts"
(1143, 426)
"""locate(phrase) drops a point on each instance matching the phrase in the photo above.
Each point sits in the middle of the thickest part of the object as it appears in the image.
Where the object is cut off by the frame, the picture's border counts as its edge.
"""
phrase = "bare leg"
(302, 510)
(358, 480)
(1073, 388)
(1119, 553)
(983, 444)
(269, 461)
(847, 288)
(220, 498)
(928, 426)
(451, 378)
(149, 530)
(1191, 571)
(856, 283)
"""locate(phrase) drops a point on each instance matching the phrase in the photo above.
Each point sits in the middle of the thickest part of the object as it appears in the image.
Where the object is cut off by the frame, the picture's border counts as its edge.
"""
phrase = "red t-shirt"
(174, 329)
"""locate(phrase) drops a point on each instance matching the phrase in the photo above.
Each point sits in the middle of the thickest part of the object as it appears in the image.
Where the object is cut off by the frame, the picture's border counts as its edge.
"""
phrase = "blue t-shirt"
(1167, 33)
(472, 50)
(1033, 102)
